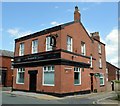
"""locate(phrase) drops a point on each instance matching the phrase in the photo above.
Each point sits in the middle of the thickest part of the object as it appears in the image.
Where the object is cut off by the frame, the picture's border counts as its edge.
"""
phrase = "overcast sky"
(20, 19)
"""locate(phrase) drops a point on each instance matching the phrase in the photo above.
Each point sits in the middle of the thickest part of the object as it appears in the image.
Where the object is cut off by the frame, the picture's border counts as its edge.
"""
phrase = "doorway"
(33, 80)
(91, 75)
(3, 78)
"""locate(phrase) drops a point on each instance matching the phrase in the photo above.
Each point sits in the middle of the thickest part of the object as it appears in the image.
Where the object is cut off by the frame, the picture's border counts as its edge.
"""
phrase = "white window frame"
(21, 49)
(78, 71)
(48, 44)
(99, 48)
(103, 79)
(69, 46)
(48, 70)
(35, 47)
(91, 63)
(106, 74)
(23, 71)
(12, 60)
(100, 62)
(83, 48)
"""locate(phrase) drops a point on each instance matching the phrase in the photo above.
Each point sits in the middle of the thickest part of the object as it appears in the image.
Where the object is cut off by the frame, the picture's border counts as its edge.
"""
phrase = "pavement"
(98, 98)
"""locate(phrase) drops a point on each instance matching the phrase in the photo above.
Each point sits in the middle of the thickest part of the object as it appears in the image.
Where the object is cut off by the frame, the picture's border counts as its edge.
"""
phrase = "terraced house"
(60, 60)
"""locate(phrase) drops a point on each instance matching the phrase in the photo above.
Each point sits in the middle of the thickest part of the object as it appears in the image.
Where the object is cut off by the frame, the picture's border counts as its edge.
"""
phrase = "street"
(8, 98)
(23, 98)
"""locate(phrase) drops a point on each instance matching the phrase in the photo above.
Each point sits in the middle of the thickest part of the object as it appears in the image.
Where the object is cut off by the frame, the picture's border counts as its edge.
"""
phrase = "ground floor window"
(77, 76)
(20, 76)
(48, 75)
(101, 79)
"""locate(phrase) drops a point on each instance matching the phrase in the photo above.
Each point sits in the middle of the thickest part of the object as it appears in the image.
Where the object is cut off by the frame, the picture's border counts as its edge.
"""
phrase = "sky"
(23, 18)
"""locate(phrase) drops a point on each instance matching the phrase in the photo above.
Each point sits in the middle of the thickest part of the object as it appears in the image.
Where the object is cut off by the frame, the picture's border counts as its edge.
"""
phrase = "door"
(33, 80)
(91, 82)
(3, 77)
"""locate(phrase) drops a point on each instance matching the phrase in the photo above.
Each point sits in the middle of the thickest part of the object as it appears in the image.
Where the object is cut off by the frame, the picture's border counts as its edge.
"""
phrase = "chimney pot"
(95, 35)
(76, 14)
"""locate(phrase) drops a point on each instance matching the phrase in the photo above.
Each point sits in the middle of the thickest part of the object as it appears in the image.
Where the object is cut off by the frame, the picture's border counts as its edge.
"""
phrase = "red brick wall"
(6, 62)
(111, 72)
(65, 81)
(41, 46)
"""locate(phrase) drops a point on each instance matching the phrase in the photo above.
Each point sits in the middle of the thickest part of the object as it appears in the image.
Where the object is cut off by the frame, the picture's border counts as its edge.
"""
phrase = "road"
(8, 98)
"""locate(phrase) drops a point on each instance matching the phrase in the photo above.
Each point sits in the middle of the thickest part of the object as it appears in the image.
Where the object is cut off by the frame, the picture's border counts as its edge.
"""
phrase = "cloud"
(54, 23)
(15, 32)
(69, 10)
(56, 7)
(111, 41)
(84, 9)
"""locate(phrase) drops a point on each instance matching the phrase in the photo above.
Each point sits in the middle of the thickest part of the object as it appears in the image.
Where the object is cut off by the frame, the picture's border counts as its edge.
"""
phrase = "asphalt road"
(16, 99)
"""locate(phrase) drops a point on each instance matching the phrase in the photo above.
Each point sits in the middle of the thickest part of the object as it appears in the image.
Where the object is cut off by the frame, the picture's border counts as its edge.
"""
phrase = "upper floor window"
(69, 43)
(34, 46)
(100, 62)
(99, 48)
(77, 76)
(21, 49)
(83, 48)
(48, 45)
(91, 61)
(20, 76)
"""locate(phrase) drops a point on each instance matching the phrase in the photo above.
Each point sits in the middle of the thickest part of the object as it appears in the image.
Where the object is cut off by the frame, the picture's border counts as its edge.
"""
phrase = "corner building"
(60, 60)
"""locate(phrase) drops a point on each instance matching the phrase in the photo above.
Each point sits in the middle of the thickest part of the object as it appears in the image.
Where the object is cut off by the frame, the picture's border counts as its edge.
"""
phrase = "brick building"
(6, 69)
(113, 72)
(60, 60)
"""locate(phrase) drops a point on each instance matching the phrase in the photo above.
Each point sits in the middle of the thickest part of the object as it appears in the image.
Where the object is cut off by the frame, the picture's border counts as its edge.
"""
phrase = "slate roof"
(45, 31)
(113, 65)
(6, 53)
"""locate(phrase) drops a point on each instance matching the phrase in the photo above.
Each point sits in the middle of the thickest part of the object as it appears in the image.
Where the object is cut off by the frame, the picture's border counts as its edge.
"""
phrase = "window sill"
(48, 85)
(19, 83)
(77, 84)
(91, 67)
(102, 85)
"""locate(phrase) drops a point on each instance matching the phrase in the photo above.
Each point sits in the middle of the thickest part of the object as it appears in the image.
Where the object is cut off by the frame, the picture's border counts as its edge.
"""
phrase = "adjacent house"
(60, 60)
(6, 68)
(113, 72)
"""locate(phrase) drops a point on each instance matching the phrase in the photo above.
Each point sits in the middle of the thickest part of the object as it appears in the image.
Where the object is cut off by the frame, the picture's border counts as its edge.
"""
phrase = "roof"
(45, 31)
(52, 29)
(99, 41)
(6, 53)
(113, 65)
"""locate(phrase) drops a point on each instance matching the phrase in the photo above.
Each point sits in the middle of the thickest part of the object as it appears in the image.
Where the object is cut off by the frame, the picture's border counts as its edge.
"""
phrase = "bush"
(117, 88)
(117, 81)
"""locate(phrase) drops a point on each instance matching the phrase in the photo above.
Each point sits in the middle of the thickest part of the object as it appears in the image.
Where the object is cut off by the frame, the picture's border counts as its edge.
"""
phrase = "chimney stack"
(77, 15)
(95, 35)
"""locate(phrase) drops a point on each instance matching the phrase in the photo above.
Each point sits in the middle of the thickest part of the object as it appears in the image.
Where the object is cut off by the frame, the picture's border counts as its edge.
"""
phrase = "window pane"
(101, 81)
(49, 68)
(34, 46)
(48, 47)
(76, 78)
(52, 68)
(83, 50)
(48, 77)
(69, 43)
(21, 77)
(21, 49)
